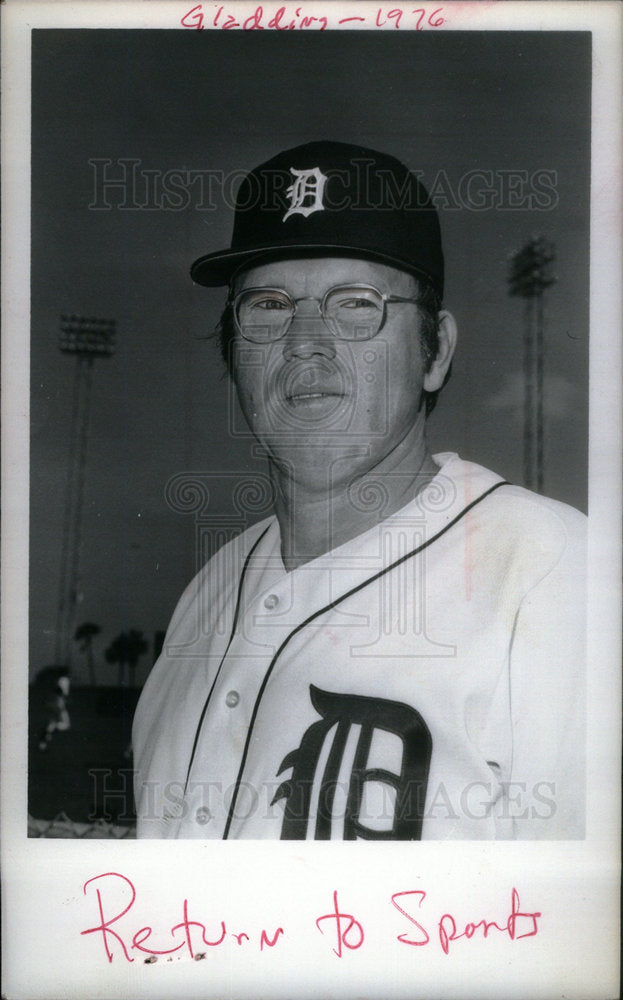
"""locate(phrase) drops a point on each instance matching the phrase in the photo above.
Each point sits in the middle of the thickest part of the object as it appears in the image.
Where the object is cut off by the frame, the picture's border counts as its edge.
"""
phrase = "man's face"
(320, 404)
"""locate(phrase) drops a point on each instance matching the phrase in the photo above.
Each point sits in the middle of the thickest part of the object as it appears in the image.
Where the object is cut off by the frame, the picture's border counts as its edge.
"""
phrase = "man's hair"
(429, 306)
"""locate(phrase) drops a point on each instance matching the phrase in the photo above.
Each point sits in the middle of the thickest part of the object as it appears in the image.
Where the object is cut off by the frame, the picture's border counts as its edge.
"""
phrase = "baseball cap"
(331, 199)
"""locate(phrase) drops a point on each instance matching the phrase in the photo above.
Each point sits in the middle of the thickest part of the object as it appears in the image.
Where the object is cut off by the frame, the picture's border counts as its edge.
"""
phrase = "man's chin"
(317, 459)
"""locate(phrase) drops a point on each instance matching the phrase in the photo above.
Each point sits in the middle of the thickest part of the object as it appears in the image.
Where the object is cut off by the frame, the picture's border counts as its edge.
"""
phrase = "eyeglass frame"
(384, 296)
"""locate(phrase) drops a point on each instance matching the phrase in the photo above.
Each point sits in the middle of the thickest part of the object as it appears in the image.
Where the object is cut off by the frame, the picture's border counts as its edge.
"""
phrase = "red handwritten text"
(514, 924)
(344, 924)
(119, 890)
(424, 935)
(293, 18)
(517, 925)
(115, 896)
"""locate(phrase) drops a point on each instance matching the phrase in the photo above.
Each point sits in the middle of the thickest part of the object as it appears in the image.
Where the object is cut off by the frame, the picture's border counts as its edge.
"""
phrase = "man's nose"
(308, 335)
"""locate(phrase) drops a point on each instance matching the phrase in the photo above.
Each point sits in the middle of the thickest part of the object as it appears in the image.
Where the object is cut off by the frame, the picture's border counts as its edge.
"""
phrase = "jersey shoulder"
(537, 517)
(514, 523)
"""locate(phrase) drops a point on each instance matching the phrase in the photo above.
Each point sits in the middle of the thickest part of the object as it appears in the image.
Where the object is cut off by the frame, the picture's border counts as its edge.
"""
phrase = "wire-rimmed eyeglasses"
(350, 312)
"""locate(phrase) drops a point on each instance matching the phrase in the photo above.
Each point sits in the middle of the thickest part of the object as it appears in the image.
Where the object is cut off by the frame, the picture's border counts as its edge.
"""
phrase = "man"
(397, 652)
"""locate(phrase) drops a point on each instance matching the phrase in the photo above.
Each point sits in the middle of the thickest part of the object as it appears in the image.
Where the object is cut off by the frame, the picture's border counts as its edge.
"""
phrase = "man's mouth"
(317, 394)
(309, 396)
(317, 387)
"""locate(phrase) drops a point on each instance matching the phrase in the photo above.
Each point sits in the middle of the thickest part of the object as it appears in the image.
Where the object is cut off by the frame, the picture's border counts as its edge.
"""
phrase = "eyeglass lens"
(350, 313)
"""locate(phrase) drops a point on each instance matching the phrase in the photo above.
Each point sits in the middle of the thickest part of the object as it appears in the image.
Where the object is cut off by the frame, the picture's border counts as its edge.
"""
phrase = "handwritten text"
(294, 18)
(115, 896)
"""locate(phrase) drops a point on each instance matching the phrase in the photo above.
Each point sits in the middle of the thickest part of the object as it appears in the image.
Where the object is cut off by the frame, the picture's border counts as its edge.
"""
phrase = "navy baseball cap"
(331, 199)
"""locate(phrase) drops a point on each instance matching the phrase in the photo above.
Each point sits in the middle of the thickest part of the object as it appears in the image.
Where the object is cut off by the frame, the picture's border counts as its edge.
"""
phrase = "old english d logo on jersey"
(344, 733)
(305, 192)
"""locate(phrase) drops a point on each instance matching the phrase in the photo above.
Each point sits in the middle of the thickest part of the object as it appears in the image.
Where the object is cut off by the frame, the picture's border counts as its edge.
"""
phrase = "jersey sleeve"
(548, 696)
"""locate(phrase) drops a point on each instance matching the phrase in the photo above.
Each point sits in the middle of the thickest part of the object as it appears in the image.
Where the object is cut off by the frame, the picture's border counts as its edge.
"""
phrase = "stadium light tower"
(529, 275)
(86, 338)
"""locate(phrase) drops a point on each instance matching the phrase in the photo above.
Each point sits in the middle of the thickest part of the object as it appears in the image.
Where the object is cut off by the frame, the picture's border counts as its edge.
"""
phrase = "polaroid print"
(306, 310)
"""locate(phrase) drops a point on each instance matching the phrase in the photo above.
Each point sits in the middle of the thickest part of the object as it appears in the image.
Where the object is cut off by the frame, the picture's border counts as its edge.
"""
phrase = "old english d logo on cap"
(331, 199)
(305, 192)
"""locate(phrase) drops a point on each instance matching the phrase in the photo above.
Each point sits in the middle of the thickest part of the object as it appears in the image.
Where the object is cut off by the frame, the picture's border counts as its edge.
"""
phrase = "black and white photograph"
(313, 331)
(376, 635)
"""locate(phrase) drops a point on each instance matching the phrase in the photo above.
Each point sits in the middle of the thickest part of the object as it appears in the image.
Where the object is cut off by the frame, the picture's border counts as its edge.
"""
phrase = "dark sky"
(447, 104)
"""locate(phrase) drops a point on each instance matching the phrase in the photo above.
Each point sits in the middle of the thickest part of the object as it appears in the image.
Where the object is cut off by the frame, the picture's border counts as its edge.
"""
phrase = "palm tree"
(126, 650)
(85, 634)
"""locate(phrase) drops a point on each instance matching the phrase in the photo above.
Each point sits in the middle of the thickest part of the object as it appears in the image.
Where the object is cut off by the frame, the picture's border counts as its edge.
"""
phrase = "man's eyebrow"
(278, 282)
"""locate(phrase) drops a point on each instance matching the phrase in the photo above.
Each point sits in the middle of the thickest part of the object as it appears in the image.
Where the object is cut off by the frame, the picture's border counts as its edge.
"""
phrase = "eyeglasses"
(350, 312)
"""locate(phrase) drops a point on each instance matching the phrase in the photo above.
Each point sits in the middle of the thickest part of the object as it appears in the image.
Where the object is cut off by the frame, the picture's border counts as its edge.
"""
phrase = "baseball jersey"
(425, 680)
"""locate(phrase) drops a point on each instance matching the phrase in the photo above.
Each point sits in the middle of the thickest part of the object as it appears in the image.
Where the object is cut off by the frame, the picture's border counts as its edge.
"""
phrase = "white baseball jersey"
(425, 680)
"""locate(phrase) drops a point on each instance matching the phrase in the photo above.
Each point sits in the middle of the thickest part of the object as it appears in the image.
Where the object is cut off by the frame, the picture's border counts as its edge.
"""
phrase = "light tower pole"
(86, 338)
(529, 276)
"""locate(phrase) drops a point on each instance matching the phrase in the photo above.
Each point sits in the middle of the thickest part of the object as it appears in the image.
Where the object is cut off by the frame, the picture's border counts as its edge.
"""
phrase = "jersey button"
(271, 602)
(203, 815)
(231, 699)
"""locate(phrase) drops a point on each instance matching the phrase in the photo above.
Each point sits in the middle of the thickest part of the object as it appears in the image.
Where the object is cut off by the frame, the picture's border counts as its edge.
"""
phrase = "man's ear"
(435, 376)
